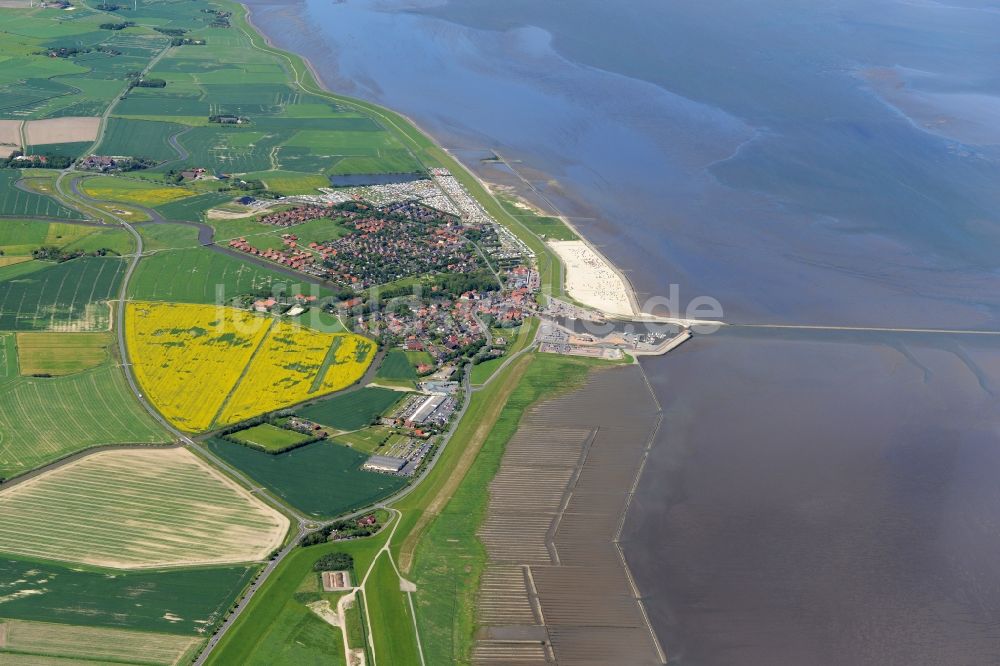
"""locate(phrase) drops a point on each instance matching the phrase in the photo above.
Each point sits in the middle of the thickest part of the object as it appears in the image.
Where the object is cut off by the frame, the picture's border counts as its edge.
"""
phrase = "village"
(381, 245)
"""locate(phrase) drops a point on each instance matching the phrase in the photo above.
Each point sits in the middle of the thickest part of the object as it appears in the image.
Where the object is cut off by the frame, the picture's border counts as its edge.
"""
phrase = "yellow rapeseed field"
(188, 358)
(136, 192)
(295, 364)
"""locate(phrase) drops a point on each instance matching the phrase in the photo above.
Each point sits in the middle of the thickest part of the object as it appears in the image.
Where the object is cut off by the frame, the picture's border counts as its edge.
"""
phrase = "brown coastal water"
(812, 497)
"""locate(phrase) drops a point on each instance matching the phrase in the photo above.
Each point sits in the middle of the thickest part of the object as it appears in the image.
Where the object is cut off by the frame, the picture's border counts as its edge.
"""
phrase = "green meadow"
(396, 366)
(278, 628)
(269, 437)
(320, 480)
(391, 619)
(353, 410)
(193, 208)
(157, 237)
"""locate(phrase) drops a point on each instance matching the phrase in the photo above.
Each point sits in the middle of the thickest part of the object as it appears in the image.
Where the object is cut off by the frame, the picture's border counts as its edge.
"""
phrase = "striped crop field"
(40, 640)
(203, 364)
(137, 508)
(189, 357)
(8, 357)
(44, 419)
(295, 364)
(71, 296)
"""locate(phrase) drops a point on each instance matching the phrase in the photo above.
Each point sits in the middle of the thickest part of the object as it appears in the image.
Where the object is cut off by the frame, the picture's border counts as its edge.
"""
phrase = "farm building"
(384, 464)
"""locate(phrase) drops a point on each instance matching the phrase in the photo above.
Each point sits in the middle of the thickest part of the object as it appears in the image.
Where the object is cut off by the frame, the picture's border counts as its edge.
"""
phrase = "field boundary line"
(328, 360)
(246, 369)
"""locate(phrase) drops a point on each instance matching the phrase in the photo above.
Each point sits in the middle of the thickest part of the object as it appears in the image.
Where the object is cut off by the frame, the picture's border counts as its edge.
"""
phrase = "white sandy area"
(591, 280)
(61, 130)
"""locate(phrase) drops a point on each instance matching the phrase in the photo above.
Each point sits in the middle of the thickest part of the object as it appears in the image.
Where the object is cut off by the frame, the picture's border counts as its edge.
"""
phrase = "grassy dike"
(449, 558)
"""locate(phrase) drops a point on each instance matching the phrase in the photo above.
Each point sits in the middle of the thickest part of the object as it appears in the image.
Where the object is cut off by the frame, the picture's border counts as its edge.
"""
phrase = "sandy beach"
(591, 280)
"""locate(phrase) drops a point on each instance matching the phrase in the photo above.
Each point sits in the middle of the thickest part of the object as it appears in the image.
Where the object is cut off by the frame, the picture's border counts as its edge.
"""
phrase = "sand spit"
(592, 280)
(556, 587)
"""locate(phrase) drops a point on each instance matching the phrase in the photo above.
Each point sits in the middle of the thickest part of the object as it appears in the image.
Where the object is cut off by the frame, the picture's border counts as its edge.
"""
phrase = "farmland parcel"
(137, 508)
(47, 640)
(70, 296)
(155, 278)
(95, 406)
(61, 353)
(177, 601)
(189, 357)
(295, 364)
(200, 364)
(321, 479)
(353, 410)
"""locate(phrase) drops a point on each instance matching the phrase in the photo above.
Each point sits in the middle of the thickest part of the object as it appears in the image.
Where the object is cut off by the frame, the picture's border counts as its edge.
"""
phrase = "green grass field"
(20, 269)
(269, 437)
(396, 366)
(366, 441)
(354, 618)
(157, 237)
(391, 620)
(20, 237)
(193, 208)
(320, 480)
(8, 358)
(18, 203)
(481, 372)
(524, 335)
(62, 297)
(96, 406)
(139, 138)
(189, 601)
(549, 228)
(353, 410)
(217, 275)
(275, 627)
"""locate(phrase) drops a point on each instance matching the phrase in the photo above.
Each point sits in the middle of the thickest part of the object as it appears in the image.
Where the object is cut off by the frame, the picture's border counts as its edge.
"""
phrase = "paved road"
(182, 153)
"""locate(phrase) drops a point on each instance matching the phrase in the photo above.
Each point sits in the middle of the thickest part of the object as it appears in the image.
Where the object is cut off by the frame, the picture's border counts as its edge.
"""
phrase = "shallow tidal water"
(814, 497)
